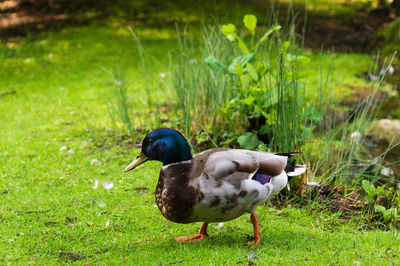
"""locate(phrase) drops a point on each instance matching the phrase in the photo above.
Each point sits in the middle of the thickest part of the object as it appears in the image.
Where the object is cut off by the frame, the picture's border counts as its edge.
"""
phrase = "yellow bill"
(141, 158)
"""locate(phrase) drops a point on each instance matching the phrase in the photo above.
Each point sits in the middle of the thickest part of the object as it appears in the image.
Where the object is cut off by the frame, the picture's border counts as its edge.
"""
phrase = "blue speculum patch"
(263, 179)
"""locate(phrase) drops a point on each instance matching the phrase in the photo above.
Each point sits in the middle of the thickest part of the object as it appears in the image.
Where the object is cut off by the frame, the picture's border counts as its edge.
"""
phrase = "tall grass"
(338, 155)
(200, 91)
(286, 83)
(119, 108)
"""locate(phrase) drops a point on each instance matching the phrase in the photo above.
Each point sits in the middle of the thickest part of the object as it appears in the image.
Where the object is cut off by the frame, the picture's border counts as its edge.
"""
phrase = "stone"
(386, 130)
(382, 134)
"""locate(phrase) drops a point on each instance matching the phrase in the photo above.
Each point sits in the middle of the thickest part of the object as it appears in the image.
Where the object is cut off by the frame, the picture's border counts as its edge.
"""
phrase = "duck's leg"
(256, 227)
(198, 237)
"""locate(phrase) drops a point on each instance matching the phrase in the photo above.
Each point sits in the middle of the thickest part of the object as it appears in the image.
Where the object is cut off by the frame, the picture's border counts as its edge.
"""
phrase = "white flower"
(162, 75)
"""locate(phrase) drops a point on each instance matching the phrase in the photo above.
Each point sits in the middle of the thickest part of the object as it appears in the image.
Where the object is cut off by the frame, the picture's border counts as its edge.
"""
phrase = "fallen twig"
(8, 92)
(43, 211)
(175, 262)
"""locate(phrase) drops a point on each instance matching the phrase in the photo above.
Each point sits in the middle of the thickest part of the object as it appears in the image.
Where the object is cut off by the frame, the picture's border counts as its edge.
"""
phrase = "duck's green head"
(165, 145)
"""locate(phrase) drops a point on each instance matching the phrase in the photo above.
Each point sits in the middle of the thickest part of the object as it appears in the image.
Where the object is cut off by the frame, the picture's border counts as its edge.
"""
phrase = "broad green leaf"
(261, 68)
(250, 21)
(248, 141)
(215, 64)
(241, 60)
(252, 71)
(242, 45)
(249, 100)
(228, 29)
(390, 214)
(245, 80)
(264, 130)
(313, 114)
(380, 208)
(368, 187)
(239, 69)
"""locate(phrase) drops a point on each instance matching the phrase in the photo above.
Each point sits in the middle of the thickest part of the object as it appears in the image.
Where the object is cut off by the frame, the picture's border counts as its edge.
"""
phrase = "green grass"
(48, 206)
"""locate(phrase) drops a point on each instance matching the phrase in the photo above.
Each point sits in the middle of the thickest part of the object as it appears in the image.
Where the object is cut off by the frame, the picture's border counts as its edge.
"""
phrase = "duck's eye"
(150, 141)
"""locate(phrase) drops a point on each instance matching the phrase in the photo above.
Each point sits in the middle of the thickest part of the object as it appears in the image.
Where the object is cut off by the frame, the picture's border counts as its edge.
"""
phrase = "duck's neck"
(177, 151)
(178, 156)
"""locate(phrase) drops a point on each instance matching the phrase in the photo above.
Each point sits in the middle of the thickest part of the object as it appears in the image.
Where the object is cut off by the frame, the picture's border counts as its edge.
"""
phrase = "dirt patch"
(354, 34)
(68, 256)
(18, 17)
(331, 198)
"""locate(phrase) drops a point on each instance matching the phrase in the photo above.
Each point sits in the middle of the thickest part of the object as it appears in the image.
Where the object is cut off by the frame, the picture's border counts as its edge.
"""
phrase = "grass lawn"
(50, 211)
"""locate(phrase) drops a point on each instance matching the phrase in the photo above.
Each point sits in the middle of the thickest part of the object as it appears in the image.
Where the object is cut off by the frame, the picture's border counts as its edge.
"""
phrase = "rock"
(387, 171)
(383, 133)
(386, 130)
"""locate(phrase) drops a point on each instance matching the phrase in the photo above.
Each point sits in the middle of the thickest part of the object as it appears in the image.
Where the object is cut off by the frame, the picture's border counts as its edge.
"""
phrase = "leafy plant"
(248, 141)
(383, 201)
(269, 94)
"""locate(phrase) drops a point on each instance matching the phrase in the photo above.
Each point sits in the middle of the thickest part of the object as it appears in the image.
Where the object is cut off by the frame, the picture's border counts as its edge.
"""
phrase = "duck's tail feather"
(288, 154)
(292, 169)
(298, 170)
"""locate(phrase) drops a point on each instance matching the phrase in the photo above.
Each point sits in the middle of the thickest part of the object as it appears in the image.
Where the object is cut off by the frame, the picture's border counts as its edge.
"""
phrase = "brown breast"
(174, 197)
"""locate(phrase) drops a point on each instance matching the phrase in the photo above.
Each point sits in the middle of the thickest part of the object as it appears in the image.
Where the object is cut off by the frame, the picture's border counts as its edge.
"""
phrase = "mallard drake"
(216, 185)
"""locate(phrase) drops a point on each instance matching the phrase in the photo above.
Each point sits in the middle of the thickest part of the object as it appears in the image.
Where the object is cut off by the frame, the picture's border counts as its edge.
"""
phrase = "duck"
(216, 185)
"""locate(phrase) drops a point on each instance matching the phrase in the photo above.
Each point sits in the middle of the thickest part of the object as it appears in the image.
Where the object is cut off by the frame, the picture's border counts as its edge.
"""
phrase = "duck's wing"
(225, 163)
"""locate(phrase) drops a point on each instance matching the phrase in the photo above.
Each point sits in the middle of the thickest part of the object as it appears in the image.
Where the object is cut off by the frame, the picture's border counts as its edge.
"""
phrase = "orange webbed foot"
(198, 237)
(183, 239)
(255, 242)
